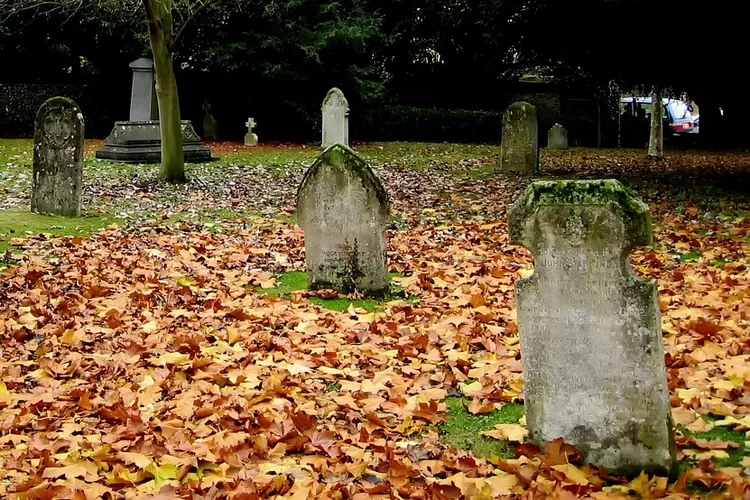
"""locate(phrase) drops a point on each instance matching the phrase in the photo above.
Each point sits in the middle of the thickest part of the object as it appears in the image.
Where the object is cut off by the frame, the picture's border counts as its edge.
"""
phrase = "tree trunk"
(656, 140)
(159, 16)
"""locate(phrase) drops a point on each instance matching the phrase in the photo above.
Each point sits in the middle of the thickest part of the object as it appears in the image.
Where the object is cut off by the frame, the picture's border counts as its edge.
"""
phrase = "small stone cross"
(251, 139)
(250, 124)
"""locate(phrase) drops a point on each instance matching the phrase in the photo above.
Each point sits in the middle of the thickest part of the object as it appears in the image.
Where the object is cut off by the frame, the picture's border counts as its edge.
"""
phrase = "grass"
(19, 222)
(297, 280)
(722, 433)
(462, 430)
(420, 155)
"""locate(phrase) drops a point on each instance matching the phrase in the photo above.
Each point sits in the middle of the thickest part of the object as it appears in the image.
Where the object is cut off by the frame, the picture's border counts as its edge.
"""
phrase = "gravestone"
(209, 122)
(58, 158)
(557, 137)
(520, 149)
(143, 103)
(590, 328)
(343, 208)
(335, 119)
(251, 138)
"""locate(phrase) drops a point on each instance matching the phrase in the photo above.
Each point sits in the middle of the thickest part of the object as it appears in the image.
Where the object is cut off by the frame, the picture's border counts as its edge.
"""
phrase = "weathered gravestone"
(58, 158)
(590, 330)
(209, 122)
(335, 119)
(343, 208)
(557, 137)
(251, 138)
(520, 149)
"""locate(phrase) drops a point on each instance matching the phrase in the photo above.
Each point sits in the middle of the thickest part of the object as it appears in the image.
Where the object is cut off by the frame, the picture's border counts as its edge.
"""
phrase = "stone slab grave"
(590, 328)
(557, 137)
(335, 111)
(520, 148)
(139, 139)
(343, 208)
(251, 138)
(58, 158)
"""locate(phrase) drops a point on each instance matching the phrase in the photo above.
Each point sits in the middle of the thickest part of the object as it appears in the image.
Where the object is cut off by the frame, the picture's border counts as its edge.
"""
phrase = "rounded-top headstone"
(343, 208)
(520, 148)
(335, 111)
(590, 328)
(557, 137)
(58, 158)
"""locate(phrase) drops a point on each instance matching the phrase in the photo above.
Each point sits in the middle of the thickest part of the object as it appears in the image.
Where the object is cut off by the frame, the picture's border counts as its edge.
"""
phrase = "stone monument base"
(140, 142)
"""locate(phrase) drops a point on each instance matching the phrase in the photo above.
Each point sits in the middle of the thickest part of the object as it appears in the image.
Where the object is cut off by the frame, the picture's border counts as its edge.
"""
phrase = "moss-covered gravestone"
(58, 158)
(590, 330)
(520, 149)
(343, 208)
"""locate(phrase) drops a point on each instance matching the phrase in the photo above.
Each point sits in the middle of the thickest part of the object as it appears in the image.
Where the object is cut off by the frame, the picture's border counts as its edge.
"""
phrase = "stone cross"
(557, 137)
(335, 119)
(343, 208)
(251, 138)
(520, 149)
(209, 122)
(58, 158)
(589, 327)
(143, 103)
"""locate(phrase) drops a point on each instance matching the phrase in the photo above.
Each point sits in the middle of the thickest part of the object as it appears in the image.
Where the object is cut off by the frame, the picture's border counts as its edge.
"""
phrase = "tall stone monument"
(143, 103)
(589, 327)
(335, 119)
(557, 137)
(58, 158)
(139, 140)
(343, 208)
(520, 149)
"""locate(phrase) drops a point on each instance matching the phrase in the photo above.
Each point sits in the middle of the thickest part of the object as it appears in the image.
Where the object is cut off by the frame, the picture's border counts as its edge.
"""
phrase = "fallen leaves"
(141, 363)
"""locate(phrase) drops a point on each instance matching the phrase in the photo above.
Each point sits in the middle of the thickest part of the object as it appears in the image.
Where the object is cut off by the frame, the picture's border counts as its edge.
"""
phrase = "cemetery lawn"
(166, 346)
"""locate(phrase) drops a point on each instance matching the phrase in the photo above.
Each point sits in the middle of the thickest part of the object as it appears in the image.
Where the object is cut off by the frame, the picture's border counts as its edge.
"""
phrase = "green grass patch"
(722, 433)
(691, 256)
(19, 222)
(297, 280)
(462, 429)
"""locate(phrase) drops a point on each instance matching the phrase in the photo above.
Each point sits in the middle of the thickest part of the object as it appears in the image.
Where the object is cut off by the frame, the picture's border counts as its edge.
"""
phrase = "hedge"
(403, 123)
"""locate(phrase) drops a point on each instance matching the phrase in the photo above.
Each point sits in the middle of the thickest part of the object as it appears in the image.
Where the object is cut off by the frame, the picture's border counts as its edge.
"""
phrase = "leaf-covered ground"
(152, 359)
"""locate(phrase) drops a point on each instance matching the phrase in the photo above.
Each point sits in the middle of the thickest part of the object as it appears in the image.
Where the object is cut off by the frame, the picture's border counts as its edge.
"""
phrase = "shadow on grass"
(463, 430)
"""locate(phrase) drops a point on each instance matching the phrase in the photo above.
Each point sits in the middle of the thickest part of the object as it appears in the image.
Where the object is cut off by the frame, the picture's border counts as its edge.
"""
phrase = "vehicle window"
(679, 110)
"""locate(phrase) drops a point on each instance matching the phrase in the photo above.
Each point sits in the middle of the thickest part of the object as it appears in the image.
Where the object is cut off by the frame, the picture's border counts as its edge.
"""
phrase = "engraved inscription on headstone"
(557, 137)
(58, 158)
(590, 330)
(520, 149)
(343, 208)
(335, 111)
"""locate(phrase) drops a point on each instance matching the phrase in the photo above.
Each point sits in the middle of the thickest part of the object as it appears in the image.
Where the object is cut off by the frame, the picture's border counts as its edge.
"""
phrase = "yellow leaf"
(472, 388)
(4, 392)
(150, 327)
(140, 460)
(169, 358)
(507, 432)
(687, 394)
(72, 337)
(572, 473)
(502, 484)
